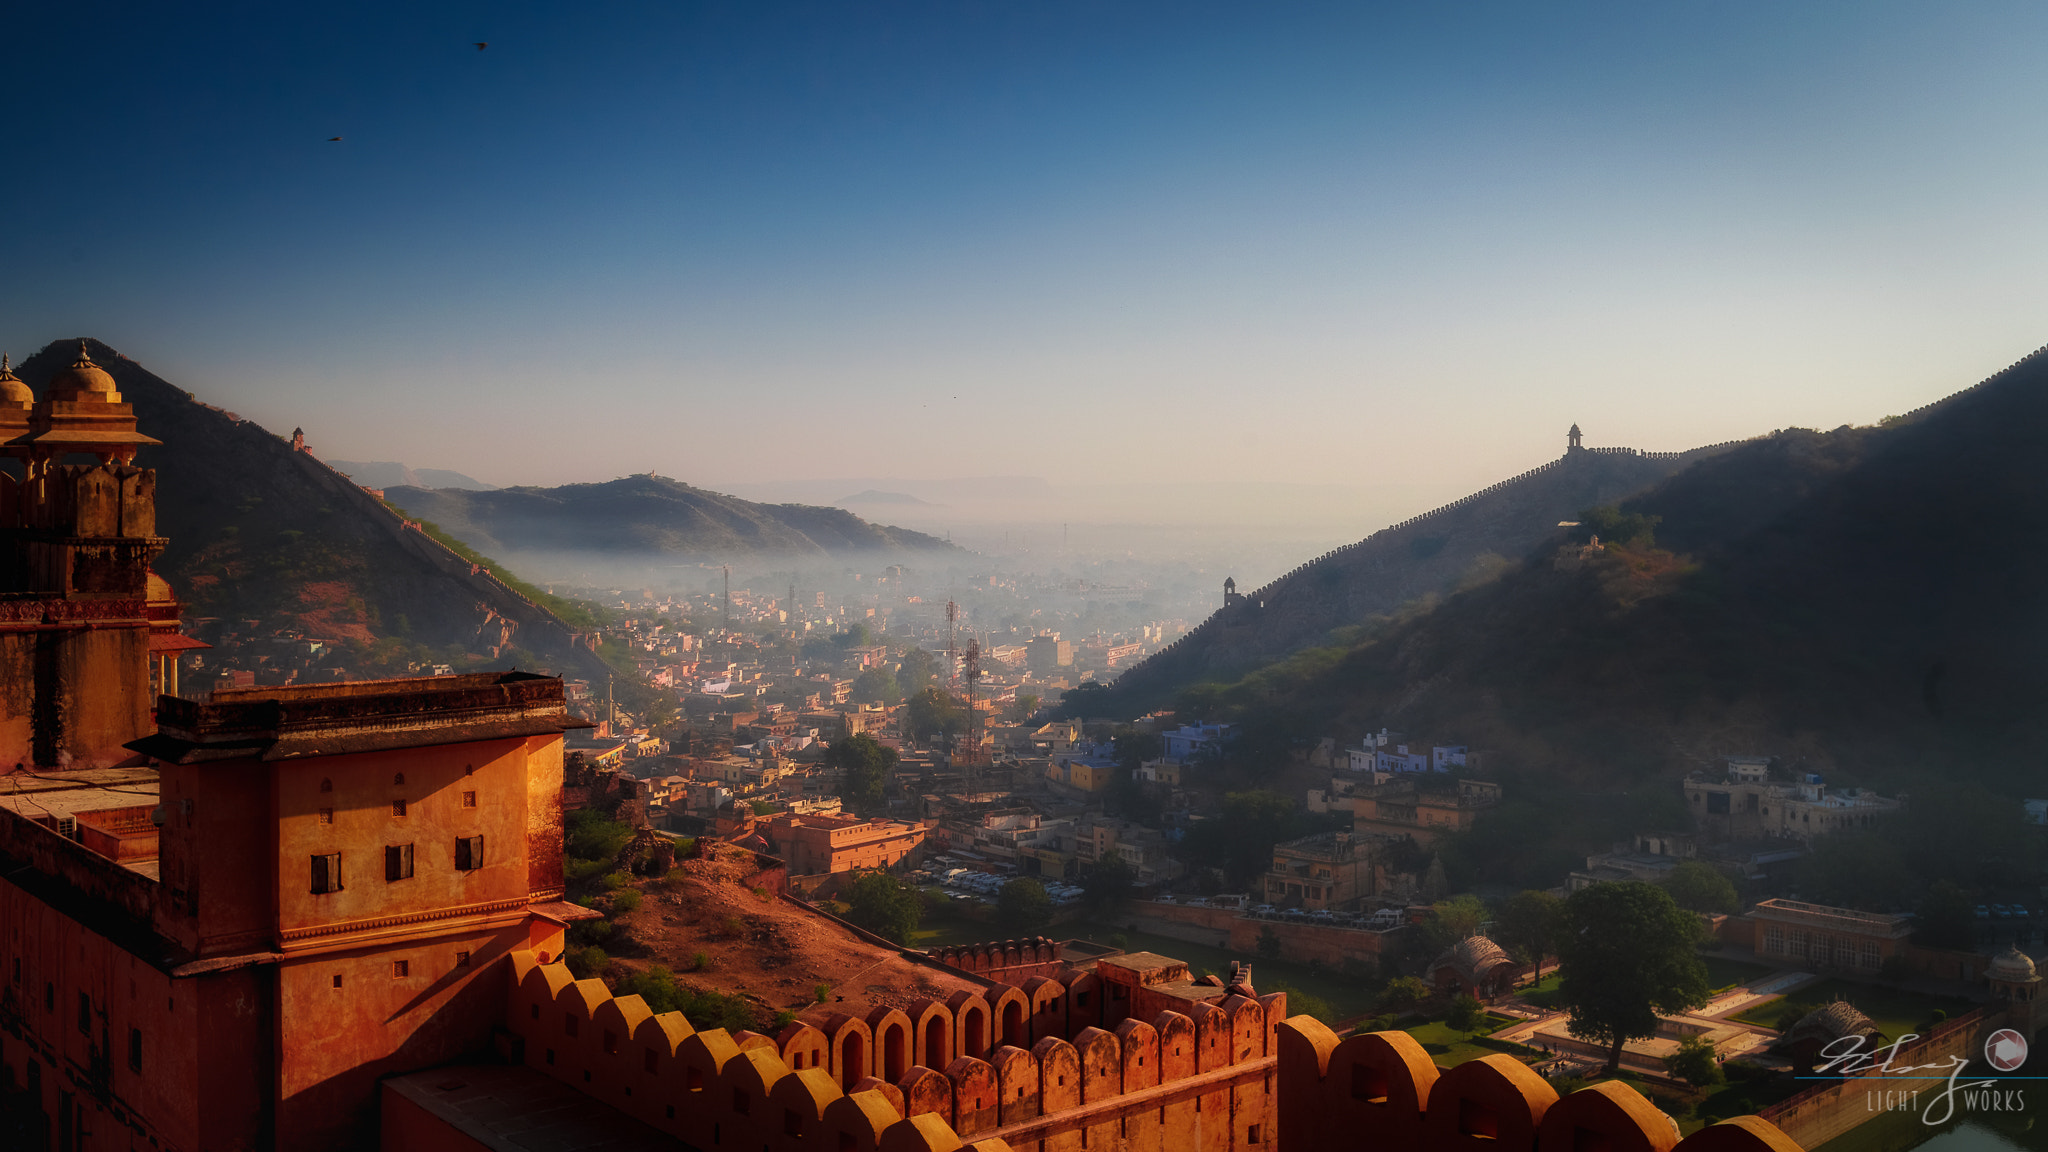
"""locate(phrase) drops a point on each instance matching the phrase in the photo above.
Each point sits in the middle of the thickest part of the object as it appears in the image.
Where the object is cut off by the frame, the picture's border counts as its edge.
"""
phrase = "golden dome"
(84, 380)
(2013, 965)
(12, 390)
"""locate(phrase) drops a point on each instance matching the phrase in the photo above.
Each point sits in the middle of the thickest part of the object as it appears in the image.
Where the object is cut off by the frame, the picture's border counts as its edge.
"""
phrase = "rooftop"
(357, 716)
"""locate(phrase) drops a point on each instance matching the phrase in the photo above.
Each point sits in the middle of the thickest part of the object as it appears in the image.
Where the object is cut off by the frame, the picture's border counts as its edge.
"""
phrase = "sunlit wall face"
(1322, 244)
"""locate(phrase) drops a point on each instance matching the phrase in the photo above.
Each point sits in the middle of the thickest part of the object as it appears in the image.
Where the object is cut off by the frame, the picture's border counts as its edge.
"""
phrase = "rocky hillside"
(259, 531)
(392, 474)
(1865, 602)
(647, 515)
(1428, 556)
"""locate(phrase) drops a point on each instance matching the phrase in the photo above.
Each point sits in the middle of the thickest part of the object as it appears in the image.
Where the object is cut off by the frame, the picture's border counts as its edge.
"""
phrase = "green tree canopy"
(1700, 887)
(915, 673)
(589, 835)
(1526, 925)
(875, 686)
(1695, 1063)
(885, 906)
(1023, 907)
(867, 765)
(1241, 840)
(1109, 884)
(1466, 1013)
(1614, 526)
(934, 711)
(1025, 704)
(1627, 953)
(1403, 993)
(1453, 920)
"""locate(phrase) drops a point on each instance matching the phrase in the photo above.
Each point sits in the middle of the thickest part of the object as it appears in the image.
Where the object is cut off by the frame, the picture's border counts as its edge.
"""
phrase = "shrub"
(822, 992)
(585, 962)
(700, 962)
(625, 900)
(1119, 940)
(784, 1019)
(614, 881)
(732, 926)
(763, 895)
(578, 871)
(1466, 1014)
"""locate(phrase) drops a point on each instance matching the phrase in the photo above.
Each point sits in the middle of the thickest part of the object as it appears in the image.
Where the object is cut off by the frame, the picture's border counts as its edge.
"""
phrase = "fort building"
(817, 844)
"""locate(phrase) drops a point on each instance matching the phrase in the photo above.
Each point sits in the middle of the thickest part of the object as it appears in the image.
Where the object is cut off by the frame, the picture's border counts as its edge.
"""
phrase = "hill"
(646, 515)
(1417, 560)
(392, 474)
(259, 531)
(1865, 602)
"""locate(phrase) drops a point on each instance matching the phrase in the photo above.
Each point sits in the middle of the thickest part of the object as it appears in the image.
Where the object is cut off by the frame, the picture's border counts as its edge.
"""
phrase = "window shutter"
(391, 864)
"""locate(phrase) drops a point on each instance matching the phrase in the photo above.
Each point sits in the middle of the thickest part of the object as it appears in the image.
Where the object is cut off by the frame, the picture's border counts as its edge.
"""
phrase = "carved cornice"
(290, 936)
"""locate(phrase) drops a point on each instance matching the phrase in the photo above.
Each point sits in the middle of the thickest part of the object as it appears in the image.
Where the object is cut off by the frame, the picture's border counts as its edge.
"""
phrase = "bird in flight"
(482, 44)
(333, 139)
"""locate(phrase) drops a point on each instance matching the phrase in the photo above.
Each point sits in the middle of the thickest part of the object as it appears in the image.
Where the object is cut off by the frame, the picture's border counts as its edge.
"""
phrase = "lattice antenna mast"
(973, 674)
(952, 653)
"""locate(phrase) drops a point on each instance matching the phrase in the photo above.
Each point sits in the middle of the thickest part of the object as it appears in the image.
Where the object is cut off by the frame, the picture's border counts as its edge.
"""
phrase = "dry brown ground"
(770, 951)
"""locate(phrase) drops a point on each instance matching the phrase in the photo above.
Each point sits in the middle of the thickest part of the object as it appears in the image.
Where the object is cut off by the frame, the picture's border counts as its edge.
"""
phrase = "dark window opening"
(397, 862)
(327, 873)
(469, 853)
(135, 1049)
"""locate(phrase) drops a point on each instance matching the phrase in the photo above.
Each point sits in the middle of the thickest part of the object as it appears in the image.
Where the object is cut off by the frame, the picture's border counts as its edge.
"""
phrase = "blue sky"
(1321, 243)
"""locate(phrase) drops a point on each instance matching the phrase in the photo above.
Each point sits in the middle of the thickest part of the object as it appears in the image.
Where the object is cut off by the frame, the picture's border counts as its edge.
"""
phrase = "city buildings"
(1745, 804)
(1328, 870)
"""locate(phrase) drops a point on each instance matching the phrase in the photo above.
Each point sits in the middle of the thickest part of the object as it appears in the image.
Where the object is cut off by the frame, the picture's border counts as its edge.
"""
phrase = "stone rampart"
(1380, 1091)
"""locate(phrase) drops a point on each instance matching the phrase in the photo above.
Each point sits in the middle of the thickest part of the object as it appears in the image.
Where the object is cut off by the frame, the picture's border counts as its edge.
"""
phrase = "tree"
(1269, 943)
(1025, 704)
(1526, 925)
(1403, 993)
(1466, 1013)
(875, 686)
(591, 836)
(1022, 907)
(1456, 919)
(1241, 841)
(933, 711)
(885, 906)
(914, 674)
(1626, 954)
(1946, 918)
(1695, 1063)
(1109, 884)
(867, 765)
(1698, 887)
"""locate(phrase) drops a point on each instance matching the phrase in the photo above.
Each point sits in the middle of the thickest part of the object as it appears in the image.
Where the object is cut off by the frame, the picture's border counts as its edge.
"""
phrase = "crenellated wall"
(1055, 1075)
(1034, 1063)
(1380, 1090)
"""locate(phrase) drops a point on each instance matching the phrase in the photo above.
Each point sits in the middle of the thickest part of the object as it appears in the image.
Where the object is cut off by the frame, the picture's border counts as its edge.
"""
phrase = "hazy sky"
(1325, 243)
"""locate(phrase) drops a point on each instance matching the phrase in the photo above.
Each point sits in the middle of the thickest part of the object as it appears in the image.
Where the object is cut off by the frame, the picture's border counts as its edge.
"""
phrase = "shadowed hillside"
(1867, 602)
(651, 515)
(260, 531)
(1427, 556)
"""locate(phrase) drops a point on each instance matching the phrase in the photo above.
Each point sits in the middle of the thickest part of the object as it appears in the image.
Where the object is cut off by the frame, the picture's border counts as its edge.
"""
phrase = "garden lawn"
(1448, 1047)
(1895, 1012)
(1724, 974)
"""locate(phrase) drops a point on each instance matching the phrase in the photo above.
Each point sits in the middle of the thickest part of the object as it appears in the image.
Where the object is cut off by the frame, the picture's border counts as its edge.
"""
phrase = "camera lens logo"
(2005, 1050)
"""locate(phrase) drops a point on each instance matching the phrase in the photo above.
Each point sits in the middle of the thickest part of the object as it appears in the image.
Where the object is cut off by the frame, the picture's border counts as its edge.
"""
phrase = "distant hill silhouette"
(871, 496)
(260, 531)
(391, 474)
(1867, 602)
(1428, 555)
(651, 515)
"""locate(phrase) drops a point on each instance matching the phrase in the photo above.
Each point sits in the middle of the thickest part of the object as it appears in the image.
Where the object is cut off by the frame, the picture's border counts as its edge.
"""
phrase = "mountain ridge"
(644, 515)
